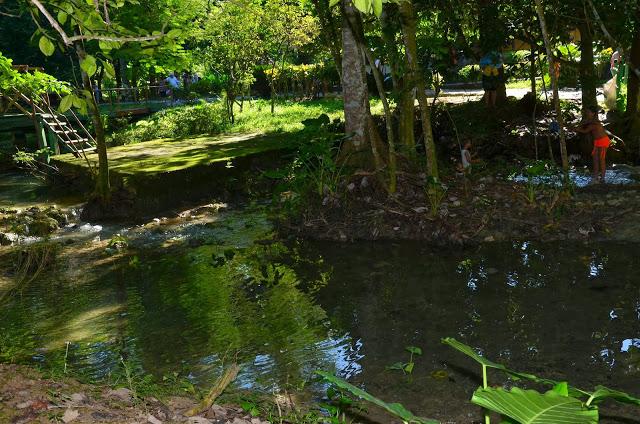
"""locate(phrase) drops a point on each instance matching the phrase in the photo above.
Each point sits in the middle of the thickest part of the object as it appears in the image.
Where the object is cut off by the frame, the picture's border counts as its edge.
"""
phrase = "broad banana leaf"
(531, 407)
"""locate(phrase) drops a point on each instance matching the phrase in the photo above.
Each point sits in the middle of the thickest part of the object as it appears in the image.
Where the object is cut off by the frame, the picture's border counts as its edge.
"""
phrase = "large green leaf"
(531, 407)
(394, 408)
(467, 350)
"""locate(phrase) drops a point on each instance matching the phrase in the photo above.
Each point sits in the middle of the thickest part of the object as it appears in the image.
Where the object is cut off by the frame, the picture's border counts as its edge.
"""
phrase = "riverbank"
(26, 396)
(471, 211)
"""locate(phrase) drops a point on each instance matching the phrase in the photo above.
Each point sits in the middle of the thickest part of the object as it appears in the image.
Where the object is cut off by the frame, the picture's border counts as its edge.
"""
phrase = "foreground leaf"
(603, 393)
(531, 407)
(394, 408)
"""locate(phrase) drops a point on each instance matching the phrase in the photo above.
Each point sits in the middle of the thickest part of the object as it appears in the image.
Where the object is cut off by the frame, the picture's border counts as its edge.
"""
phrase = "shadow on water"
(564, 311)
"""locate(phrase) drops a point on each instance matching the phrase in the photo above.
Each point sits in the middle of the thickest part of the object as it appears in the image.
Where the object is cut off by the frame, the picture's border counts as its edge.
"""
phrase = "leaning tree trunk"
(554, 86)
(633, 87)
(408, 23)
(357, 120)
(588, 79)
(103, 187)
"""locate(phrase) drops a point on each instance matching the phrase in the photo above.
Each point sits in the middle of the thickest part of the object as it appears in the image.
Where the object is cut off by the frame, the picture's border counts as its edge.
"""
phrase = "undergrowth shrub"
(183, 121)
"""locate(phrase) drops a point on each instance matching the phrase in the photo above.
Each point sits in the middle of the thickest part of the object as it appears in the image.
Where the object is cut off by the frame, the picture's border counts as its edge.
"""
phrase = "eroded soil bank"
(27, 397)
(482, 209)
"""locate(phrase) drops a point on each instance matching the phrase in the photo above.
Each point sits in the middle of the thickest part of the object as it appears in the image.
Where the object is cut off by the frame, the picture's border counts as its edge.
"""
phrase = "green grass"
(526, 83)
(288, 115)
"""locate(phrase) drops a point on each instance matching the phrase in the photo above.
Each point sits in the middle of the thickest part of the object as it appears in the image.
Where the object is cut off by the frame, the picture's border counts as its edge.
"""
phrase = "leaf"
(88, 64)
(108, 69)
(561, 388)
(393, 408)
(531, 407)
(79, 103)
(62, 17)
(46, 46)
(414, 350)
(408, 368)
(396, 366)
(333, 2)
(377, 7)
(363, 6)
(66, 103)
(603, 393)
(467, 350)
(174, 33)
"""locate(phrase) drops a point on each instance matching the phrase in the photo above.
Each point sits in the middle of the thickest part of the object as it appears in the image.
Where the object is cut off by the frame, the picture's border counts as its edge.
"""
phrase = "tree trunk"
(633, 86)
(554, 86)
(588, 80)
(532, 72)
(354, 91)
(408, 23)
(103, 186)
(405, 95)
(388, 119)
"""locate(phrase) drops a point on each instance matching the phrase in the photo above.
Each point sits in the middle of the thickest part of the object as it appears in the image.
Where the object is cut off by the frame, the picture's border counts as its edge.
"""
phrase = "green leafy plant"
(407, 367)
(395, 409)
(562, 404)
(435, 191)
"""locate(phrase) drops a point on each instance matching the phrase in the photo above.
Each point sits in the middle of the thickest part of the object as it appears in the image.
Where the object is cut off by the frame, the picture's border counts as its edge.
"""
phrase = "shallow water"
(581, 177)
(190, 296)
(22, 190)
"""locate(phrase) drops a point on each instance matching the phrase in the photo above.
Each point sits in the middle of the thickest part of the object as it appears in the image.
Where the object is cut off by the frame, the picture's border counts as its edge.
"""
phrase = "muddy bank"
(27, 397)
(480, 209)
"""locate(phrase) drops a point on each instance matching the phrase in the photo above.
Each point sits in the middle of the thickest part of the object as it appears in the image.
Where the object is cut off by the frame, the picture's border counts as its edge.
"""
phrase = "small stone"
(79, 397)
(24, 405)
(5, 240)
(456, 203)
(153, 420)
(219, 412)
(453, 198)
(364, 183)
(351, 187)
(237, 420)
(420, 209)
(70, 415)
(121, 393)
(489, 239)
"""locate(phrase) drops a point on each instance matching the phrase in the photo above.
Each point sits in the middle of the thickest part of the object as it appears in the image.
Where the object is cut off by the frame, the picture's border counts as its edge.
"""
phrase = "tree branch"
(69, 40)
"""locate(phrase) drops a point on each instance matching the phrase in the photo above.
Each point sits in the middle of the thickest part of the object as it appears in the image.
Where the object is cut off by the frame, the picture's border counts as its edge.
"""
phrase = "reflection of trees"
(247, 303)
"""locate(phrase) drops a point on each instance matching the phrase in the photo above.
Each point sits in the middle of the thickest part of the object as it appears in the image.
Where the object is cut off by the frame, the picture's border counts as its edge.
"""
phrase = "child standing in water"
(601, 142)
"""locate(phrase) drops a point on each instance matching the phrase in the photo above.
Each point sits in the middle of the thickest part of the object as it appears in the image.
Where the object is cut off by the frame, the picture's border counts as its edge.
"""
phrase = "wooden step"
(71, 131)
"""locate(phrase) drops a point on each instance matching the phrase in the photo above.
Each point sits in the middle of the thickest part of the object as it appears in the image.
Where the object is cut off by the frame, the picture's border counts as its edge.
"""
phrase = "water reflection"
(285, 311)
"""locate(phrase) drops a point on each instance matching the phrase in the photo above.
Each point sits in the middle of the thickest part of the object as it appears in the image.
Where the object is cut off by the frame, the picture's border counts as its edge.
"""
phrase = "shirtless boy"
(601, 142)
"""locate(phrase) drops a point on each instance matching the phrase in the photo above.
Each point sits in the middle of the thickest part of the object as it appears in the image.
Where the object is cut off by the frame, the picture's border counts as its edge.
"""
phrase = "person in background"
(490, 65)
(467, 159)
(601, 142)
(172, 82)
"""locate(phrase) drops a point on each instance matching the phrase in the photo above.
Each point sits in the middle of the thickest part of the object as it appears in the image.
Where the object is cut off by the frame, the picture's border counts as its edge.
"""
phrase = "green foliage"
(407, 367)
(30, 83)
(562, 404)
(184, 121)
(531, 407)
(395, 409)
(435, 191)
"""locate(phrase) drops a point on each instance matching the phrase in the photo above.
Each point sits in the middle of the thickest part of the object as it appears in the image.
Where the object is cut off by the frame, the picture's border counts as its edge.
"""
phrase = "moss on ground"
(169, 155)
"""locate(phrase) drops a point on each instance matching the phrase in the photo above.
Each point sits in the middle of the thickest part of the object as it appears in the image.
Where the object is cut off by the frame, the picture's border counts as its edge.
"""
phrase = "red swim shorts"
(602, 142)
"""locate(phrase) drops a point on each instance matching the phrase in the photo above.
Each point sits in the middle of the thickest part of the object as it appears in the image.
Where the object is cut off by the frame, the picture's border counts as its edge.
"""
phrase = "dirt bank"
(484, 209)
(27, 397)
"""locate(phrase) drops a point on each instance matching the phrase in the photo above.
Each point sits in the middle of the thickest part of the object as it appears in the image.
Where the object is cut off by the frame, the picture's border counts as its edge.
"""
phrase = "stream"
(190, 294)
